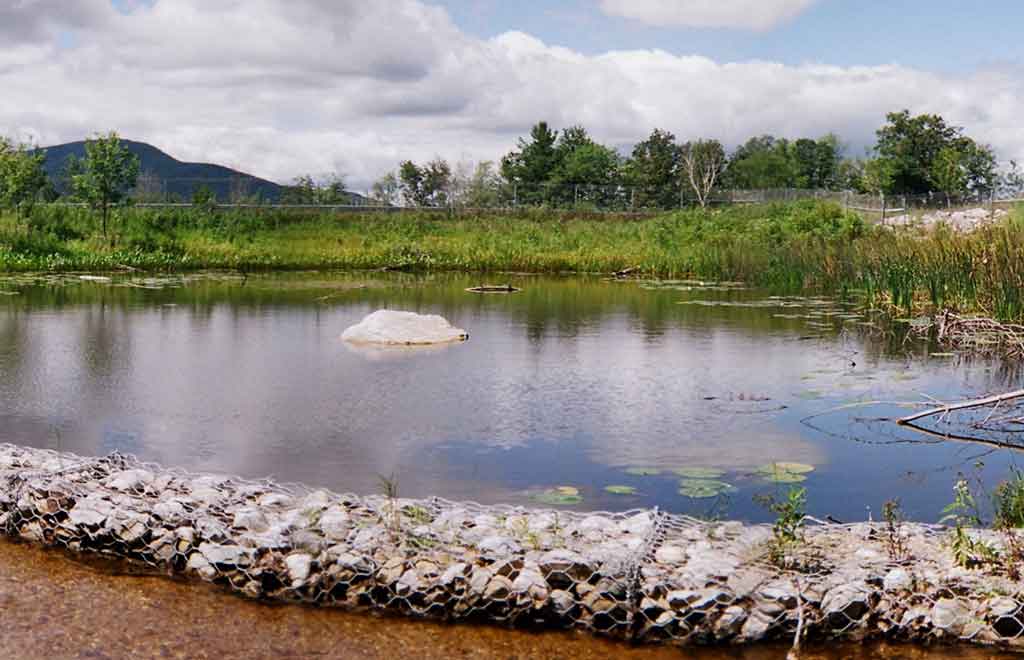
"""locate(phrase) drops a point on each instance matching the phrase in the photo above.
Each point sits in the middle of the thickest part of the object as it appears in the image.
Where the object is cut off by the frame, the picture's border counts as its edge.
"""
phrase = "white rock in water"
(403, 329)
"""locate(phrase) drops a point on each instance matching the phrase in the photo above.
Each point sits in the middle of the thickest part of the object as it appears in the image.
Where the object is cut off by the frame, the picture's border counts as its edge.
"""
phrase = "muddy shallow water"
(573, 382)
(55, 606)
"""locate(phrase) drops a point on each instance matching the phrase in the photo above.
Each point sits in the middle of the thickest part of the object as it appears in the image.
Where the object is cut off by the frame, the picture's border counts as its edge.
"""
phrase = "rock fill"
(391, 328)
(640, 575)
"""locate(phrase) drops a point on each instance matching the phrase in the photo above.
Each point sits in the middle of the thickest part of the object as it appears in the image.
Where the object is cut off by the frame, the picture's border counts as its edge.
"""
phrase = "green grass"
(783, 246)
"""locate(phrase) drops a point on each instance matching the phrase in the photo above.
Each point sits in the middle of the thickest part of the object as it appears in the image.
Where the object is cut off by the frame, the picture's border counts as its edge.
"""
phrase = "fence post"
(883, 207)
(515, 195)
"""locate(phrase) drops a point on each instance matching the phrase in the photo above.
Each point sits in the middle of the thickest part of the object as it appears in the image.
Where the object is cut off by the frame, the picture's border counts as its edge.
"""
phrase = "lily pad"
(699, 472)
(784, 478)
(704, 488)
(785, 466)
(555, 497)
(643, 471)
(620, 490)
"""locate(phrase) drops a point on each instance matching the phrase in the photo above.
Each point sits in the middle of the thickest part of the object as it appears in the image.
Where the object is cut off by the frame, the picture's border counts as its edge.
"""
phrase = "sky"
(282, 89)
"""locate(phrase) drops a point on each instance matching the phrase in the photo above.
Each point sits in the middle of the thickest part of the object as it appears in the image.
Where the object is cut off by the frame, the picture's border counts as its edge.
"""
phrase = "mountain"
(166, 177)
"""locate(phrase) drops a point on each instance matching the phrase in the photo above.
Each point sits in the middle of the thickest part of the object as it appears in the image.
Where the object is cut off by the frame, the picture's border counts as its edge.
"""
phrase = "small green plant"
(1008, 503)
(895, 541)
(964, 512)
(788, 528)
(391, 516)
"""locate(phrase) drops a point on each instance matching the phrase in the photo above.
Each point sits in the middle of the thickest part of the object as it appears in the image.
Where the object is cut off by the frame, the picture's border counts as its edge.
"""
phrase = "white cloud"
(740, 14)
(322, 85)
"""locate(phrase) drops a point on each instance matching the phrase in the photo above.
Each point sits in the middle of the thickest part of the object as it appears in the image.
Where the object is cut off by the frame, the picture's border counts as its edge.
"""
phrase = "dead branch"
(945, 410)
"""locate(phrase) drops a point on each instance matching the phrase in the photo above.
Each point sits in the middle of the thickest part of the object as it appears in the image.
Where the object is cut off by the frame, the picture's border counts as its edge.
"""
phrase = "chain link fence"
(645, 576)
(248, 192)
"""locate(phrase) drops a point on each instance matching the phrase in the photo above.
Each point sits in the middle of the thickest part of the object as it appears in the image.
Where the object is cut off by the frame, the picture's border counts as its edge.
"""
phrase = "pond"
(621, 394)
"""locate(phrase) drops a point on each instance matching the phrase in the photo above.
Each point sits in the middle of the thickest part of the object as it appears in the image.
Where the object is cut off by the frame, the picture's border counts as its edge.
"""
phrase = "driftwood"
(976, 403)
(504, 288)
(625, 272)
(977, 334)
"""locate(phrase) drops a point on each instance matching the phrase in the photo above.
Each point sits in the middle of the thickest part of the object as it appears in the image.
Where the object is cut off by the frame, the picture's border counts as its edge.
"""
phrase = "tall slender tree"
(107, 174)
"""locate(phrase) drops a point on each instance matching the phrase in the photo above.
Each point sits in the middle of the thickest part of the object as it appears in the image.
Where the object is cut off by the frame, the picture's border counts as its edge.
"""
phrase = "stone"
(670, 555)
(562, 601)
(541, 522)
(639, 524)
(498, 546)
(755, 628)
(198, 563)
(730, 622)
(409, 583)
(563, 561)
(352, 562)
(594, 525)
(171, 510)
(91, 511)
(479, 579)
(252, 519)
(302, 539)
(897, 579)
(454, 572)
(498, 588)
(845, 604)
(335, 523)
(1003, 606)
(318, 499)
(275, 500)
(394, 328)
(132, 528)
(227, 555)
(950, 616)
(679, 600)
(532, 583)
(299, 566)
(128, 479)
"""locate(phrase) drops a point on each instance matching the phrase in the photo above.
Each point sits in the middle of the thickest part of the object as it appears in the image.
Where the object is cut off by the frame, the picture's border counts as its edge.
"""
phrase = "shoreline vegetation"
(781, 246)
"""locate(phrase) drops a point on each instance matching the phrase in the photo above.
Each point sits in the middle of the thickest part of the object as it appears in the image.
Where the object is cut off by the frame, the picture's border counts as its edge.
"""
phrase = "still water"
(573, 382)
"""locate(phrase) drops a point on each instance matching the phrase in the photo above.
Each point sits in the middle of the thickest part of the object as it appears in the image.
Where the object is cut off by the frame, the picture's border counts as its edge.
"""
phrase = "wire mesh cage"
(643, 575)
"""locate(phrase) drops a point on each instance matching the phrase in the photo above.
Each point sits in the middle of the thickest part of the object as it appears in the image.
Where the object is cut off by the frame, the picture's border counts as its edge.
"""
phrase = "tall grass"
(783, 246)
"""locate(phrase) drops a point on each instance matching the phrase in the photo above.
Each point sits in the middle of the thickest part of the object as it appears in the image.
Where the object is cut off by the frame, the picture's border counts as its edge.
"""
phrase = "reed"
(787, 247)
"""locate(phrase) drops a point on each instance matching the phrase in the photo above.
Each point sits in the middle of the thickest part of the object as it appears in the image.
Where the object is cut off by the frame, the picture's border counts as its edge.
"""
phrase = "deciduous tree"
(105, 177)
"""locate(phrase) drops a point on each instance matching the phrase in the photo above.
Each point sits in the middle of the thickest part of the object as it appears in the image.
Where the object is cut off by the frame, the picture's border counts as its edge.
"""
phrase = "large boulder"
(390, 328)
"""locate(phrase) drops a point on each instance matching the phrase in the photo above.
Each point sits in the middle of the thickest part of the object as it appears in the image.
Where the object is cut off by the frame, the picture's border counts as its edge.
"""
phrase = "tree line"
(913, 155)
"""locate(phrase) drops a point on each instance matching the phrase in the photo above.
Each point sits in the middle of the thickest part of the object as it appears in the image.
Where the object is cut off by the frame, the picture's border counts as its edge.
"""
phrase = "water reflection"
(569, 382)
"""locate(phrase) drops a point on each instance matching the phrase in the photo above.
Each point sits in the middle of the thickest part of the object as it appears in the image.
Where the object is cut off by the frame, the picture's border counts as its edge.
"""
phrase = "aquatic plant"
(704, 488)
(785, 246)
(391, 515)
(895, 541)
(965, 512)
(788, 528)
(785, 472)
(620, 490)
(699, 472)
(559, 496)
(643, 471)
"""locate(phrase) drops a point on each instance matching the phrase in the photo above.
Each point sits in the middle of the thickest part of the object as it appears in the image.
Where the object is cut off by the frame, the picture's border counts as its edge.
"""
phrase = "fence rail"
(500, 196)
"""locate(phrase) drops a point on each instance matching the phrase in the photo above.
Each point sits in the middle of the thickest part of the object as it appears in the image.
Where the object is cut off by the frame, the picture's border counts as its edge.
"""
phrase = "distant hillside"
(166, 177)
